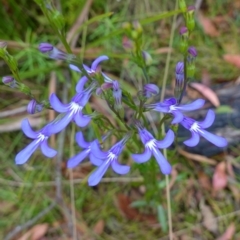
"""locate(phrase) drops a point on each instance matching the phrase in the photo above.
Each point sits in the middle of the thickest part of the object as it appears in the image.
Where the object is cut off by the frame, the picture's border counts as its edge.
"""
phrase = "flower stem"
(170, 231)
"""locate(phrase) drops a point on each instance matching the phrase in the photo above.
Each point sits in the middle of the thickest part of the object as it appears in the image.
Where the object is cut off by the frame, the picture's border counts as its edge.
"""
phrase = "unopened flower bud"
(190, 21)
(183, 45)
(9, 81)
(150, 89)
(192, 51)
(99, 91)
(191, 9)
(106, 85)
(54, 53)
(34, 107)
(127, 43)
(179, 70)
(183, 31)
(45, 47)
(137, 26)
(147, 58)
(179, 83)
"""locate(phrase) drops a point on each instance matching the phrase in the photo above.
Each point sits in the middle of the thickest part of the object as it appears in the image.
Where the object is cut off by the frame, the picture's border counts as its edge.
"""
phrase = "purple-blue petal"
(106, 78)
(97, 61)
(26, 153)
(81, 141)
(178, 117)
(87, 69)
(192, 106)
(75, 160)
(167, 141)
(81, 83)
(142, 157)
(81, 120)
(26, 128)
(209, 119)
(46, 150)
(214, 139)
(59, 123)
(118, 168)
(74, 68)
(193, 141)
(95, 161)
(97, 175)
(97, 152)
(57, 105)
(159, 108)
(162, 162)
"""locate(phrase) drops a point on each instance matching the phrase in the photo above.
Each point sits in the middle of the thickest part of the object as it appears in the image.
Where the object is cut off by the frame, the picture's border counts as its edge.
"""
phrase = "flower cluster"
(94, 80)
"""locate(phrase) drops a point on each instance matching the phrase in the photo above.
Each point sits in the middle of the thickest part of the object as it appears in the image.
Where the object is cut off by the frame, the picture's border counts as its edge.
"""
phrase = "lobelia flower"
(197, 130)
(54, 53)
(72, 110)
(170, 105)
(108, 158)
(152, 148)
(40, 140)
(87, 152)
(91, 71)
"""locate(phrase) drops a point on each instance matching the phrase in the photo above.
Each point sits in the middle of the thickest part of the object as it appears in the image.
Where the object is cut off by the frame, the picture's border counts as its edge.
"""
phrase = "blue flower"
(87, 152)
(40, 140)
(152, 148)
(197, 130)
(108, 158)
(72, 110)
(170, 105)
(91, 71)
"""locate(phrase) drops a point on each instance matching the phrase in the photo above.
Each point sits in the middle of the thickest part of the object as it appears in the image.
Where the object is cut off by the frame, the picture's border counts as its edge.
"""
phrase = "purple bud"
(179, 68)
(179, 73)
(191, 9)
(34, 107)
(107, 85)
(99, 91)
(183, 31)
(150, 89)
(192, 51)
(9, 81)
(127, 43)
(45, 47)
(54, 53)
(179, 84)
